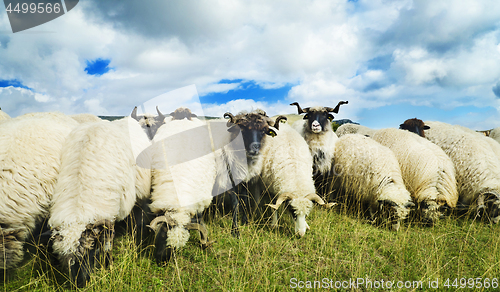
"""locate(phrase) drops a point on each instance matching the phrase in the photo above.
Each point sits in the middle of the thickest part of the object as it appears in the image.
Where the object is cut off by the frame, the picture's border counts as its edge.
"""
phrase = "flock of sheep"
(67, 182)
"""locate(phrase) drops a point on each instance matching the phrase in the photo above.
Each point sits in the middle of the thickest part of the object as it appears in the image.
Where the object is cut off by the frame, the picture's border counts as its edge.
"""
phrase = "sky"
(392, 60)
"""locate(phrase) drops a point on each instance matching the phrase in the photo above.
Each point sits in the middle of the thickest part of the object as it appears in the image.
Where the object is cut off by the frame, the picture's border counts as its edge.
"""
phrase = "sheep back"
(354, 129)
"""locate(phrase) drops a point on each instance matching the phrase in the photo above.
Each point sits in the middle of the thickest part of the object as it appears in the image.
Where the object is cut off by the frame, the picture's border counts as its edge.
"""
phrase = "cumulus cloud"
(372, 53)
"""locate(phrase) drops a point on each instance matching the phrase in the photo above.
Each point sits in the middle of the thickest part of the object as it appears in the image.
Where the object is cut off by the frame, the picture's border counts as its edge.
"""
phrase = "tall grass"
(339, 247)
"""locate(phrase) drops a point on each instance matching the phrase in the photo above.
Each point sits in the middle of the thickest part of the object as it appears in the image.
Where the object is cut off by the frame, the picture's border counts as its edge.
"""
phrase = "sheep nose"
(254, 148)
(315, 124)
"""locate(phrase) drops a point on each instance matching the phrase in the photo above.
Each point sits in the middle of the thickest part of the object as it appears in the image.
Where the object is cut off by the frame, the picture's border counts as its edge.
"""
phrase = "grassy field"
(338, 247)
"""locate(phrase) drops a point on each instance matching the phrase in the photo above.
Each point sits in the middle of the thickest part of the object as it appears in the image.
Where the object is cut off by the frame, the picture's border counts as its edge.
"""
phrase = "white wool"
(354, 129)
(477, 167)
(495, 146)
(30, 149)
(85, 118)
(99, 178)
(184, 171)
(4, 116)
(495, 134)
(321, 145)
(428, 173)
(370, 172)
(287, 168)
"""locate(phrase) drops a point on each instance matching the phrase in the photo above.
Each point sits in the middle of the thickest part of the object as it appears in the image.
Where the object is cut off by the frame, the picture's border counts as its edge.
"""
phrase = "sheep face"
(414, 125)
(254, 127)
(318, 121)
(393, 212)
(182, 113)
(300, 208)
(318, 118)
(93, 252)
(431, 211)
(149, 123)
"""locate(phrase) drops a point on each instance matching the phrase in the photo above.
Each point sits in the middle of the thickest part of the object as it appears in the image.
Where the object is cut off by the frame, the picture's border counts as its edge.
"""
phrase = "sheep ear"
(426, 127)
(271, 132)
(306, 116)
(330, 117)
(233, 129)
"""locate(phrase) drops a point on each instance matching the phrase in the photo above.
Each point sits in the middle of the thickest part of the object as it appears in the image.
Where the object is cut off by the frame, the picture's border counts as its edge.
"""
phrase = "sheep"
(30, 150)
(100, 180)
(85, 118)
(495, 134)
(477, 168)
(369, 174)
(287, 172)
(428, 173)
(183, 175)
(3, 115)
(253, 128)
(495, 146)
(316, 129)
(354, 129)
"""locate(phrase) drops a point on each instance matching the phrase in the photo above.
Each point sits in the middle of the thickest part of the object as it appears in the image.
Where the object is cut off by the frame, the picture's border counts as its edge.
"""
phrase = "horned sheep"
(30, 150)
(287, 172)
(428, 173)
(368, 174)
(183, 175)
(477, 167)
(316, 129)
(100, 179)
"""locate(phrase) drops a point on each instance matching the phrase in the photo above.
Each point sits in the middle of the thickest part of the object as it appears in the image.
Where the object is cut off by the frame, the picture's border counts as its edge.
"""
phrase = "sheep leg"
(244, 196)
(235, 232)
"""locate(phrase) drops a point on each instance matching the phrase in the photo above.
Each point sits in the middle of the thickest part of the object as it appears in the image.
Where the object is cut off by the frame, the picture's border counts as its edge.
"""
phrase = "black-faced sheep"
(316, 129)
(183, 175)
(30, 149)
(476, 165)
(368, 175)
(287, 173)
(99, 182)
(254, 127)
(428, 173)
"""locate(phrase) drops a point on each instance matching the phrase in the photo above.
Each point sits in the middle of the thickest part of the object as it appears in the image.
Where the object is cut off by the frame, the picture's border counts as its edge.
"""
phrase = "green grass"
(338, 247)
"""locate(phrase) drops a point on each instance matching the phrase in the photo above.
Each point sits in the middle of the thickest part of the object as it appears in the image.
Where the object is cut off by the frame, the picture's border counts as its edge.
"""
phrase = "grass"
(338, 247)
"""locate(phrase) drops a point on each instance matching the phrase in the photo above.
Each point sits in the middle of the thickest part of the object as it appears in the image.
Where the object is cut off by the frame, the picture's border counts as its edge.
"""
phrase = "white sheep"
(183, 175)
(428, 173)
(477, 167)
(354, 129)
(85, 118)
(369, 174)
(101, 177)
(30, 149)
(495, 146)
(287, 172)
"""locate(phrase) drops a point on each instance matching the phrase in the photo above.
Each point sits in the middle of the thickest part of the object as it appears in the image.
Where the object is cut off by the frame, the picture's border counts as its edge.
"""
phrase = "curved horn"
(161, 219)
(230, 116)
(281, 198)
(300, 110)
(315, 198)
(159, 113)
(134, 114)
(336, 109)
(278, 120)
(203, 231)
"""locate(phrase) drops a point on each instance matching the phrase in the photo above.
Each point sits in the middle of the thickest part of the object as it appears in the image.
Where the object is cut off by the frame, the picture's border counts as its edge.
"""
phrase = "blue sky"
(391, 60)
